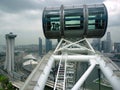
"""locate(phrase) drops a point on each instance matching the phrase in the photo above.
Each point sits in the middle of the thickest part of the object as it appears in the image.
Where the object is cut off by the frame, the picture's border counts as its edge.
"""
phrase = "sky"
(24, 18)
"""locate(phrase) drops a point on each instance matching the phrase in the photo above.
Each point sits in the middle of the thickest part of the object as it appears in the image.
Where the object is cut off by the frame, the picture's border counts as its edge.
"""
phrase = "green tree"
(4, 81)
(5, 84)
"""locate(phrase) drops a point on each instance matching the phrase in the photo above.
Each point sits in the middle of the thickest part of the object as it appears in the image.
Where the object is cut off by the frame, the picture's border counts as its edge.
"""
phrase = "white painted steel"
(93, 59)
(58, 45)
(90, 45)
(79, 83)
(44, 76)
(82, 58)
(77, 45)
(64, 83)
(107, 69)
(57, 75)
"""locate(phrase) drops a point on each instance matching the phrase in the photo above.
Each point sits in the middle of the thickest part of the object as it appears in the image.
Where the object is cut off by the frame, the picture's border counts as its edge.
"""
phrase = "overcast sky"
(23, 17)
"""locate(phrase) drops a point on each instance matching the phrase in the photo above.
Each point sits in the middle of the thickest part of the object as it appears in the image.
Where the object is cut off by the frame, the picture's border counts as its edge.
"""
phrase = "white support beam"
(44, 76)
(55, 85)
(58, 45)
(77, 44)
(108, 68)
(82, 58)
(64, 83)
(80, 82)
(89, 45)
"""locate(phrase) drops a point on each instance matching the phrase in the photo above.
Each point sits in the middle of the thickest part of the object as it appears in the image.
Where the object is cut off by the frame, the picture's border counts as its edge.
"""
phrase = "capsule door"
(73, 22)
(97, 21)
(51, 23)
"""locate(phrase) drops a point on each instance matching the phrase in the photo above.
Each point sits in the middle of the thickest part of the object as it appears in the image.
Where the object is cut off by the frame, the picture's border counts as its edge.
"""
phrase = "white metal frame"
(81, 51)
(93, 58)
(55, 86)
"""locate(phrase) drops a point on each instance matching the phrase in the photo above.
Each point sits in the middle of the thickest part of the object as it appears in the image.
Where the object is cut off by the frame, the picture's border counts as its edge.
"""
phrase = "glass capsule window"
(95, 18)
(52, 20)
(73, 19)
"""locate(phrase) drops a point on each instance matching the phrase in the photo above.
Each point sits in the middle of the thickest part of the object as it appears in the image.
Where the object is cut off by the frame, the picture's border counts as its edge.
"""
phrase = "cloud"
(26, 24)
(79, 1)
(14, 6)
(113, 7)
(24, 17)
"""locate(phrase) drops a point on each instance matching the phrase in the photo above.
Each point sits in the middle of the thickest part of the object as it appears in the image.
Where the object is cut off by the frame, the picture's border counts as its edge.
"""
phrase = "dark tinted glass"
(73, 19)
(52, 19)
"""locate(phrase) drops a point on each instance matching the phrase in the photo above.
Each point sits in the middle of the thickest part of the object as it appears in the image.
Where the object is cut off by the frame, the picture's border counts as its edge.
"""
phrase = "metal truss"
(68, 53)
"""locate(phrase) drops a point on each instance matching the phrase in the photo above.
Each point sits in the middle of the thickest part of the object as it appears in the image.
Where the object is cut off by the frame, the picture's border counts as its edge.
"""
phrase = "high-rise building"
(117, 47)
(40, 46)
(9, 62)
(96, 44)
(109, 42)
(48, 45)
(104, 46)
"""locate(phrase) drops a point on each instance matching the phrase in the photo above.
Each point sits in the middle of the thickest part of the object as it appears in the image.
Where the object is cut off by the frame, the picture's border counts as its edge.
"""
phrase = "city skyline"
(24, 18)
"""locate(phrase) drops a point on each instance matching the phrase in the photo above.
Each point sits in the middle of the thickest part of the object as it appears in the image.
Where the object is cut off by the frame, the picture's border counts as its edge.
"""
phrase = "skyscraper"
(117, 47)
(40, 46)
(109, 42)
(96, 44)
(104, 46)
(48, 45)
(9, 62)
